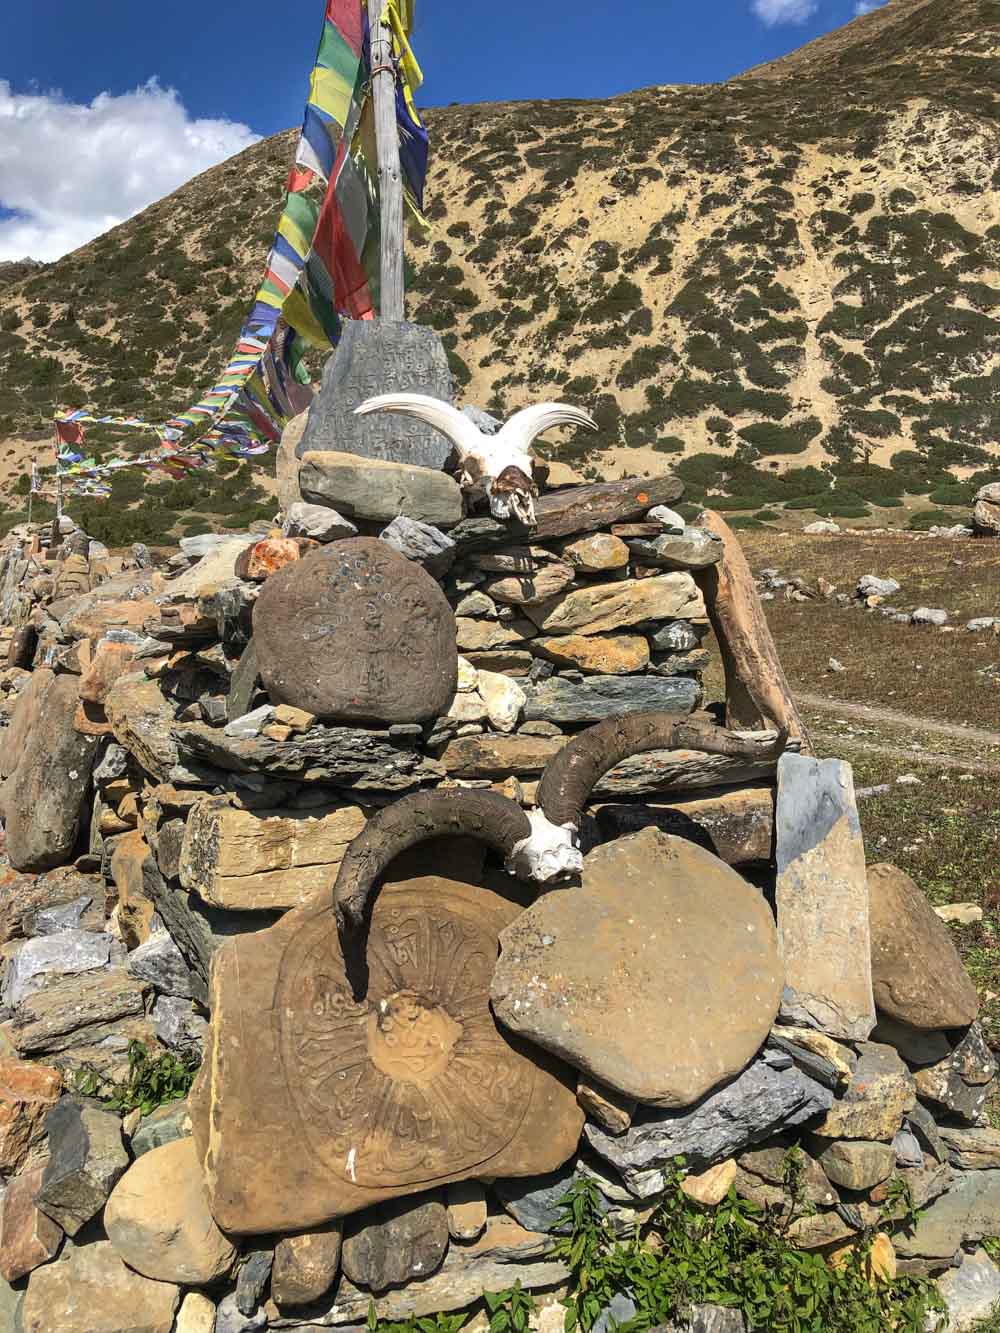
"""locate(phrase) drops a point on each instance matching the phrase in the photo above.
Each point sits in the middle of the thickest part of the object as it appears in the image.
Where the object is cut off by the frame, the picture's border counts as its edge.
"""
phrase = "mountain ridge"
(793, 275)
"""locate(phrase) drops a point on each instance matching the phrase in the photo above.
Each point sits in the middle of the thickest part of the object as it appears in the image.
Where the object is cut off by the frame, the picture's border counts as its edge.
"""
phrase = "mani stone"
(347, 1103)
(377, 492)
(764, 1098)
(89, 1290)
(354, 632)
(607, 606)
(917, 975)
(375, 357)
(396, 1241)
(560, 700)
(661, 938)
(822, 899)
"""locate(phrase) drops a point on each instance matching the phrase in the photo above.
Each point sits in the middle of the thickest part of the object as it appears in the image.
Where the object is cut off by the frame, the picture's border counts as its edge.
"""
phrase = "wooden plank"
(390, 184)
(573, 509)
(757, 692)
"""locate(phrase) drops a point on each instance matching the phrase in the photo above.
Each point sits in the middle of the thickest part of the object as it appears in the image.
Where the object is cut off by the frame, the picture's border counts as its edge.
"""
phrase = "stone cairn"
(270, 799)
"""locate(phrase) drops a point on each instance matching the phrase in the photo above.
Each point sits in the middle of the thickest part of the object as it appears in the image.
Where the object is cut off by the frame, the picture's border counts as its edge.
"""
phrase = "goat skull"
(500, 465)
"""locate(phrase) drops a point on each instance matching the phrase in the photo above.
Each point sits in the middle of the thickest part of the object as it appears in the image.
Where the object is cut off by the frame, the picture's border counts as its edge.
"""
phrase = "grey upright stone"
(375, 357)
(822, 898)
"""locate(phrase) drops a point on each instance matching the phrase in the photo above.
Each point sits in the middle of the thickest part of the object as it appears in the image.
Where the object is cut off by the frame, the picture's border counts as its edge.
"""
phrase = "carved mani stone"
(311, 1106)
(354, 632)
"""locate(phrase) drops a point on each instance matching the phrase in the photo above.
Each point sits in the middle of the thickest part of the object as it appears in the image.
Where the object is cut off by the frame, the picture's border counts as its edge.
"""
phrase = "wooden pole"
(390, 182)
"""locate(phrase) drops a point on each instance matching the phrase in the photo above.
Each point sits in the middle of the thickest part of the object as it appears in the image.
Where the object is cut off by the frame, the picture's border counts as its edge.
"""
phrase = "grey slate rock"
(923, 1127)
(377, 491)
(229, 1318)
(159, 961)
(677, 636)
(422, 543)
(561, 699)
(694, 548)
(254, 1275)
(534, 1200)
(758, 1103)
(375, 357)
(961, 1082)
(396, 1241)
(113, 764)
(618, 1310)
(177, 1025)
(967, 1211)
(64, 916)
(812, 1064)
(242, 683)
(970, 1292)
(67, 953)
(86, 1158)
(928, 615)
(870, 585)
(164, 1125)
(706, 1319)
(319, 522)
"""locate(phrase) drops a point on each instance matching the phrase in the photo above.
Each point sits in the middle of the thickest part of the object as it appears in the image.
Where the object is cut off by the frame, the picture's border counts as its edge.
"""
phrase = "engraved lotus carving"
(415, 1081)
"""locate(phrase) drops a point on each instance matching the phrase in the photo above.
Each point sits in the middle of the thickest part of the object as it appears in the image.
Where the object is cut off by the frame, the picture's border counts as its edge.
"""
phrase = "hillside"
(798, 268)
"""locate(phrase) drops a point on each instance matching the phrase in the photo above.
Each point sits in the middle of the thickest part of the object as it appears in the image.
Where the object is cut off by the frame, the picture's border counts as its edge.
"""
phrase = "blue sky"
(213, 74)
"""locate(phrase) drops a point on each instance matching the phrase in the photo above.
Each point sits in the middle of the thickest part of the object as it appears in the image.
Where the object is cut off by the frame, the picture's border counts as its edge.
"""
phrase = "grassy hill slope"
(775, 283)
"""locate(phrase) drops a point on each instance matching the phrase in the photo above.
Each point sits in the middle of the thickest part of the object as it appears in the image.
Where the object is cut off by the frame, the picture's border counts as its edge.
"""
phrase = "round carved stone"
(356, 633)
(414, 1083)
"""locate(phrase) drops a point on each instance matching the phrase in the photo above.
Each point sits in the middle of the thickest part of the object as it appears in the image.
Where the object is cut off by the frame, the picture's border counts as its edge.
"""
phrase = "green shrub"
(923, 519)
(958, 493)
(771, 438)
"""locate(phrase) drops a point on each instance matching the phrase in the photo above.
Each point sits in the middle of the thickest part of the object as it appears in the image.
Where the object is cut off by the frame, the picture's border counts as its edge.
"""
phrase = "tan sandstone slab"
(90, 1290)
(611, 655)
(265, 859)
(310, 1105)
(917, 975)
(607, 606)
(660, 976)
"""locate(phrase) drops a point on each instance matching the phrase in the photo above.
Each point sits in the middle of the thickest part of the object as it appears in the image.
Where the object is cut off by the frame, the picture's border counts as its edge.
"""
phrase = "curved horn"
(523, 426)
(571, 775)
(452, 423)
(486, 815)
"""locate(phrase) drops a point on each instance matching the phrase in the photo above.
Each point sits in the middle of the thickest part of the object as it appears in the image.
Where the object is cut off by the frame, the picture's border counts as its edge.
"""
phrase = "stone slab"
(822, 898)
(658, 927)
(736, 823)
(90, 1290)
(329, 1116)
(355, 632)
(597, 697)
(378, 492)
(608, 606)
(966, 1212)
(375, 357)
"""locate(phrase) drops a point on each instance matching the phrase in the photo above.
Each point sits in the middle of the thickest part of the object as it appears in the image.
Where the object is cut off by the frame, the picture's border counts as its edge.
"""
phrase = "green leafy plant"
(435, 1323)
(152, 1080)
(510, 1309)
(738, 1255)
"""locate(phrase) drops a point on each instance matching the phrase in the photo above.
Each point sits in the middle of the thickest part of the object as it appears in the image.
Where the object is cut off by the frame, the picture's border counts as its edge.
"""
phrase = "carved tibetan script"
(355, 632)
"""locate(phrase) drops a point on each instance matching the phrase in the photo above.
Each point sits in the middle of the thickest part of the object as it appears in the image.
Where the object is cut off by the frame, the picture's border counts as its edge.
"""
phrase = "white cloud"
(866, 6)
(69, 171)
(772, 12)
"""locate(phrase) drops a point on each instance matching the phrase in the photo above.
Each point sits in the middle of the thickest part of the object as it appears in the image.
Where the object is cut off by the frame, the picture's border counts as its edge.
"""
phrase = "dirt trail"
(911, 721)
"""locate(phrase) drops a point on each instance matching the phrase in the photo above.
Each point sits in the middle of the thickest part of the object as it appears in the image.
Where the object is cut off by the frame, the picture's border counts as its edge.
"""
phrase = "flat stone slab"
(373, 357)
(345, 1104)
(659, 976)
(597, 697)
(822, 898)
(769, 1095)
(968, 1211)
(355, 632)
(607, 606)
(380, 491)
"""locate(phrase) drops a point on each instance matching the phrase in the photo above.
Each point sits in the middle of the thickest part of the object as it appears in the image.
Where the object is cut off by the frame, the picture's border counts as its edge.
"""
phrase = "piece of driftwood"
(574, 509)
(757, 693)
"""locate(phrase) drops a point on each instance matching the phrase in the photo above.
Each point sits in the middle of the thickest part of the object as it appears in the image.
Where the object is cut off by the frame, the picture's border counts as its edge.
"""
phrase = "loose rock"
(378, 490)
(396, 1242)
(90, 1290)
(602, 655)
(27, 1237)
(305, 1265)
(880, 1093)
(86, 1158)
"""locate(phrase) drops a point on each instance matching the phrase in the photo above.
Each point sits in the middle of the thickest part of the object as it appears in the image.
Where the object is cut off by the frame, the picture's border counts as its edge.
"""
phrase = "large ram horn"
(486, 815)
(452, 423)
(523, 426)
(572, 774)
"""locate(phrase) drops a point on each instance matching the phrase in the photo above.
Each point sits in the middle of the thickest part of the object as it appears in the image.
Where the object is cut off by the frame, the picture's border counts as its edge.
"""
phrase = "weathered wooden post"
(390, 183)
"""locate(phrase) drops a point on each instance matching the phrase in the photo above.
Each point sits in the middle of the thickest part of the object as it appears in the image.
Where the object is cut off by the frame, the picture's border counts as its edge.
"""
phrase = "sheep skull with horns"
(498, 464)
